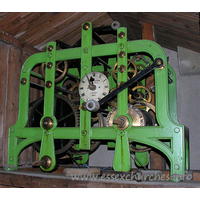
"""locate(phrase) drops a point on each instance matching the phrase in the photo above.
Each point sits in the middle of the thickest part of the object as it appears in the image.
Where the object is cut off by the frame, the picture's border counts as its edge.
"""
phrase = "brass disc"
(133, 112)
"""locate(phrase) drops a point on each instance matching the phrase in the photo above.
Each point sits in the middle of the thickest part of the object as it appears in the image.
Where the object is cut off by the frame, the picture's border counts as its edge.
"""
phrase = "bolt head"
(176, 167)
(47, 162)
(84, 132)
(121, 133)
(47, 123)
(48, 84)
(122, 54)
(50, 48)
(49, 65)
(176, 130)
(83, 106)
(86, 26)
(121, 35)
(23, 81)
(122, 68)
(85, 50)
(158, 62)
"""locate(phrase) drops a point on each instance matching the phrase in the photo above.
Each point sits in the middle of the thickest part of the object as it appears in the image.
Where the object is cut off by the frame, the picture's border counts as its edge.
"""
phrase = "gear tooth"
(36, 145)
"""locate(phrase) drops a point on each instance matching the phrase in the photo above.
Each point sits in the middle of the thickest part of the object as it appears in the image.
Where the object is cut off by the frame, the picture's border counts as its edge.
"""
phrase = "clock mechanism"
(94, 86)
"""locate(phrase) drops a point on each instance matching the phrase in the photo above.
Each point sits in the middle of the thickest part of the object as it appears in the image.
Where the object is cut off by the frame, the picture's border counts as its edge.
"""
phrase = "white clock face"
(94, 86)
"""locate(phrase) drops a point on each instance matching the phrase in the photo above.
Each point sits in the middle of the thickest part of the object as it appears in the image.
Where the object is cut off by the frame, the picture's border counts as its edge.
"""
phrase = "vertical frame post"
(47, 143)
(86, 67)
(122, 158)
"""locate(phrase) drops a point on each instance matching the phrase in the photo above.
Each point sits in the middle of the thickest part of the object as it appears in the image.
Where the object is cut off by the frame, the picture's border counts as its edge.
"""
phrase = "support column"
(148, 33)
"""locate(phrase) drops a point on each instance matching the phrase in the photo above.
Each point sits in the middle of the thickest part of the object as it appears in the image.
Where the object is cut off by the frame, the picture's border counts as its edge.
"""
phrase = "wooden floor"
(34, 178)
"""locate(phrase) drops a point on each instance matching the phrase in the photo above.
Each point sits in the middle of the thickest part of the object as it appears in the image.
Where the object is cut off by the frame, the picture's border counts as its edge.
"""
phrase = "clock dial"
(94, 86)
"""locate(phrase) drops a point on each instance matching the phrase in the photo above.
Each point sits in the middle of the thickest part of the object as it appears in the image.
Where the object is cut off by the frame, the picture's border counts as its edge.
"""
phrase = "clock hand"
(90, 86)
(92, 105)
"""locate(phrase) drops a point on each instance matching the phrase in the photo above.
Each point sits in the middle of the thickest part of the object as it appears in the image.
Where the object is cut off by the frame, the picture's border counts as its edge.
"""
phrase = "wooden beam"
(43, 180)
(117, 16)
(9, 39)
(148, 32)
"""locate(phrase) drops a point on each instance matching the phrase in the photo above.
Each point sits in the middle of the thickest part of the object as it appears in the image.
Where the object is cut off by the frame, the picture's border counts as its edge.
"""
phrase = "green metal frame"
(169, 129)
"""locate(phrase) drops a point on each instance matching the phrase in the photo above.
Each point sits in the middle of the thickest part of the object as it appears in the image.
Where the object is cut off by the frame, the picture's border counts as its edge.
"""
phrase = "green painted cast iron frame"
(169, 129)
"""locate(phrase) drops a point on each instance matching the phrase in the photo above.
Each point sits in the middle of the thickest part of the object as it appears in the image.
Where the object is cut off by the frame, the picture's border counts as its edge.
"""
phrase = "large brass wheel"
(143, 93)
(132, 69)
(61, 70)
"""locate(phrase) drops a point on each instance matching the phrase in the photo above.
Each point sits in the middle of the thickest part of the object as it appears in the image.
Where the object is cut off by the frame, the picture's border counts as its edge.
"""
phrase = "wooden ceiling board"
(176, 18)
(180, 29)
(57, 33)
(20, 22)
(36, 29)
(167, 41)
(164, 22)
(49, 27)
(37, 26)
(64, 32)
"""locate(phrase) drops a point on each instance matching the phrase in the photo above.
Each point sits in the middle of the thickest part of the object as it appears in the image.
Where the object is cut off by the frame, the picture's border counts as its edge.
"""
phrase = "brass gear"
(74, 98)
(60, 68)
(141, 96)
(133, 70)
(144, 104)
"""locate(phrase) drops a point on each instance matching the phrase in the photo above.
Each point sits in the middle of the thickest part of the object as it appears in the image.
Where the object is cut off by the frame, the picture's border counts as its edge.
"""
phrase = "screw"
(49, 65)
(121, 35)
(121, 133)
(86, 26)
(23, 81)
(50, 48)
(122, 54)
(85, 50)
(121, 45)
(85, 67)
(176, 130)
(48, 84)
(84, 132)
(176, 167)
(50, 55)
